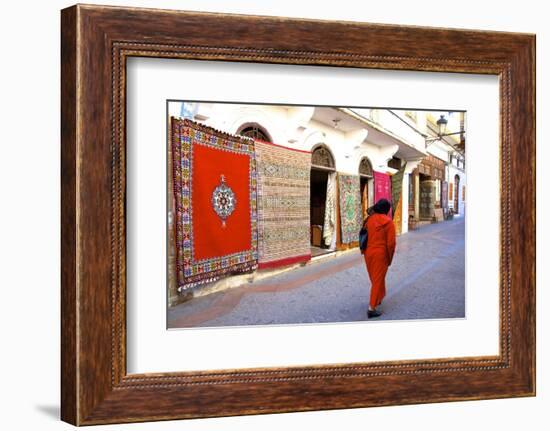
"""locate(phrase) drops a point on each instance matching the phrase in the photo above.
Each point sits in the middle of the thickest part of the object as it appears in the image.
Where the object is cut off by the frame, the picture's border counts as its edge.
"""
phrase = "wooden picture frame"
(95, 43)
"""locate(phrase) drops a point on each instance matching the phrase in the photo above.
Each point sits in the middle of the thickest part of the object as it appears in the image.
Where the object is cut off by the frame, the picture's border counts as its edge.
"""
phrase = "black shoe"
(373, 313)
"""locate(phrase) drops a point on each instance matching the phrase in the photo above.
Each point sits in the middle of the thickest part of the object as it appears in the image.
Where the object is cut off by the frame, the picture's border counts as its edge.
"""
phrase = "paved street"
(425, 281)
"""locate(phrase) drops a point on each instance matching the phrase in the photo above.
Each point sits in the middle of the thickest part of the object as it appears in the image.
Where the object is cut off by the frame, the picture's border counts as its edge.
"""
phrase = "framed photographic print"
(283, 215)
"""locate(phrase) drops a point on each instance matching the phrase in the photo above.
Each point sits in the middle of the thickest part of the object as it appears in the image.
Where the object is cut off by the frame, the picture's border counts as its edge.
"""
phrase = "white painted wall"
(295, 128)
(438, 150)
(399, 124)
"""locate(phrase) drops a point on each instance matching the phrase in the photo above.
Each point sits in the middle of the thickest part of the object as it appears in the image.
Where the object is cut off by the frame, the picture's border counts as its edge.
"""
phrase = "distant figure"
(379, 252)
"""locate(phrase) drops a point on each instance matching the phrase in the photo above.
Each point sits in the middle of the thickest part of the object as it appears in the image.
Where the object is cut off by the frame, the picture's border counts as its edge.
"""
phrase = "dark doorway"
(457, 190)
(322, 165)
(319, 179)
(367, 184)
(427, 197)
(364, 183)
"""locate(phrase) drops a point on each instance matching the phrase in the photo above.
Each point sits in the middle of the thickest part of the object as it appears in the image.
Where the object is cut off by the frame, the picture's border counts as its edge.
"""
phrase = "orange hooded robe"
(379, 254)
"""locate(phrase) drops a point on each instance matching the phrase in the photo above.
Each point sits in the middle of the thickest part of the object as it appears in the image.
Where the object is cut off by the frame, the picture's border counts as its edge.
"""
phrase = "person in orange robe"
(379, 252)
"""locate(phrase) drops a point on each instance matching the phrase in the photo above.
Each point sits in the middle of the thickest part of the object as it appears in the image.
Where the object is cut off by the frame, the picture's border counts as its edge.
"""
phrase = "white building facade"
(381, 143)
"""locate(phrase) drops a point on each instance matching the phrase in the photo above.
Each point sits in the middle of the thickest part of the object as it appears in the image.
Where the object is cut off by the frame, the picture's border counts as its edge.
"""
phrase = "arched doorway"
(366, 181)
(457, 193)
(255, 131)
(322, 201)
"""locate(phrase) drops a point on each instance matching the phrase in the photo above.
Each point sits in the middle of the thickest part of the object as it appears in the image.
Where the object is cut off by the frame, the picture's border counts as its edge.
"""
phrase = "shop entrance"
(322, 202)
(366, 183)
(457, 190)
(319, 180)
(427, 197)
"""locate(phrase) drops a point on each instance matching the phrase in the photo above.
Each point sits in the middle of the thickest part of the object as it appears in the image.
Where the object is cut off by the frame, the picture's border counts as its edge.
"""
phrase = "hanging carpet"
(283, 205)
(382, 188)
(214, 179)
(350, 207)
(330, 210)
(397, 188)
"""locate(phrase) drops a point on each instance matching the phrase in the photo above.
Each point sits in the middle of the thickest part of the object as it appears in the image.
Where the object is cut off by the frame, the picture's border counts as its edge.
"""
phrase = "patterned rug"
(283, 205)
(214, 179)
(329, 226)
(382, 188)
(350, 207)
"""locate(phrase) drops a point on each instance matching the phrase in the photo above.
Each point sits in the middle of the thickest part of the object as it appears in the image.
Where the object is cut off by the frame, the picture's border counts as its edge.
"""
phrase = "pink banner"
(382, 187)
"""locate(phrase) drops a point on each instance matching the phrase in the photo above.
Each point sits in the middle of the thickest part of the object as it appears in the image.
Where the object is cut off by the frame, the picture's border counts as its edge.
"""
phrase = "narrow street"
(425, 281)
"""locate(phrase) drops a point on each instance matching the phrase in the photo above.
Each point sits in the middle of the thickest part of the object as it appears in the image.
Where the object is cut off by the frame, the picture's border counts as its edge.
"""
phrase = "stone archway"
(255, 131)
(322, 158)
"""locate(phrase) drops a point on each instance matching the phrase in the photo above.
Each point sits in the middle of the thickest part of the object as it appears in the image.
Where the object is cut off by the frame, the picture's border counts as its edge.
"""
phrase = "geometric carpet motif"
(350, 207)
(214, 186)
(283, 205)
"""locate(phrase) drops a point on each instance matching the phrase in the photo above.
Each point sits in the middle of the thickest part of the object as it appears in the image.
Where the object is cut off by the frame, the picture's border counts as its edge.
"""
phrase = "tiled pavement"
(426, 280)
